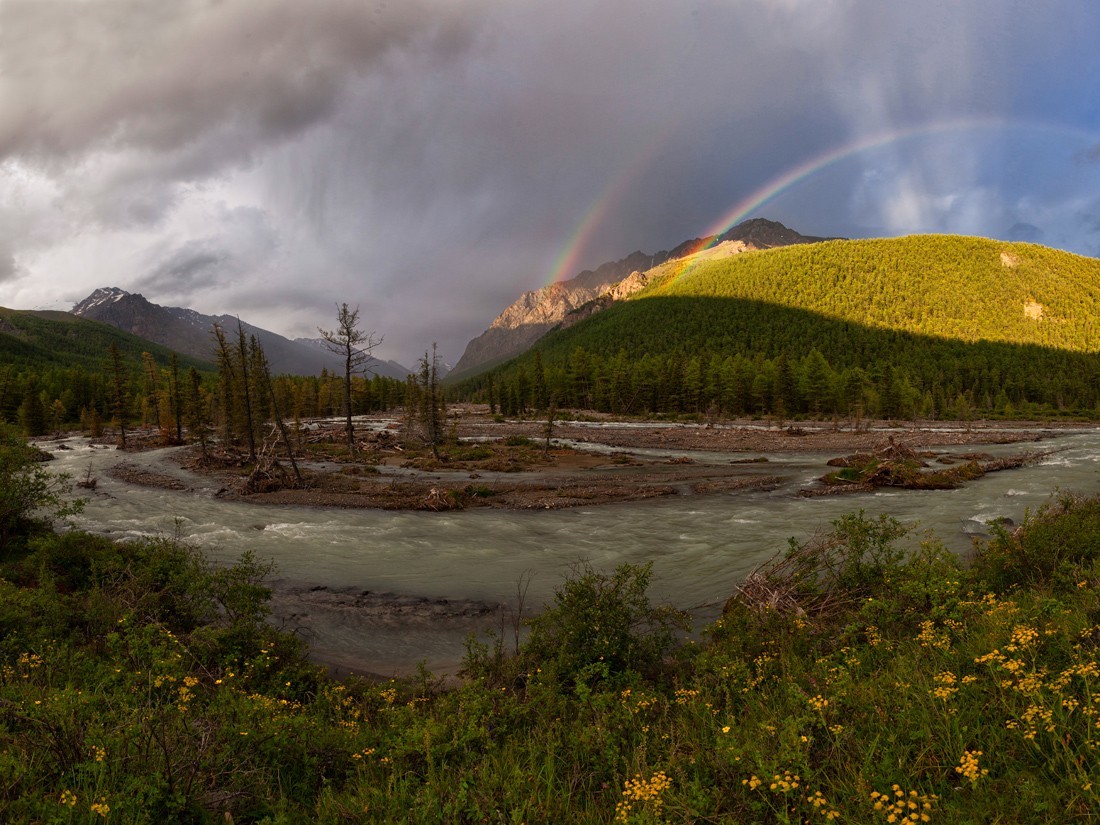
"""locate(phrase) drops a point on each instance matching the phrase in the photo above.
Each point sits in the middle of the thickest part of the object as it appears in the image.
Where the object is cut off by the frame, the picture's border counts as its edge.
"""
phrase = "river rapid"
(700, 546)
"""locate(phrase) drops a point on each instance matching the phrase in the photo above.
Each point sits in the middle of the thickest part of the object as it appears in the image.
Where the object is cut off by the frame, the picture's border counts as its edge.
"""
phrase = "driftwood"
(89, 481)
(796, 584)
(269, 475)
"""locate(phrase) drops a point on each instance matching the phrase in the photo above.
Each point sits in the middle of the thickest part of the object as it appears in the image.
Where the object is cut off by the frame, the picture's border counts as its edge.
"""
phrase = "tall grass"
(845, 682)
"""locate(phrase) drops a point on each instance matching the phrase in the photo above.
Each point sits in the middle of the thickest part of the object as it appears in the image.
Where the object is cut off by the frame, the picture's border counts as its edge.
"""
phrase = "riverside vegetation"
(856, 677)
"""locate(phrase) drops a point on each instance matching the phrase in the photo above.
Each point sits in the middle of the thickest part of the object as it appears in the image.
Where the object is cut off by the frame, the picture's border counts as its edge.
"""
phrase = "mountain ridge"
(189, 332)
(56, 339)
(535, 313)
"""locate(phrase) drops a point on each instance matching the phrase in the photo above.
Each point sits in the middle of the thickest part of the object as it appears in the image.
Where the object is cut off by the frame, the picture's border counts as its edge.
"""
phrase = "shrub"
(1056, 547)
(26, 488)
(603, 624)
(820, 580)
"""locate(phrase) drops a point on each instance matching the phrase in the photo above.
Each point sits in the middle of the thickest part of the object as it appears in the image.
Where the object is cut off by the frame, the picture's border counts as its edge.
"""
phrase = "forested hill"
(43, 340)
(922, 325)
(956, 287)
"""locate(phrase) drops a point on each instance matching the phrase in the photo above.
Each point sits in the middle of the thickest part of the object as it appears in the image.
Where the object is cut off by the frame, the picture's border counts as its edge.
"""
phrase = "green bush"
(1058, 547)
(602, 625)
(27, 491)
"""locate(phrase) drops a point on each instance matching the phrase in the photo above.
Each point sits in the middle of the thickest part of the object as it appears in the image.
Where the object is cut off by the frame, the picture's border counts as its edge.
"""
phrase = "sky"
(430, 160)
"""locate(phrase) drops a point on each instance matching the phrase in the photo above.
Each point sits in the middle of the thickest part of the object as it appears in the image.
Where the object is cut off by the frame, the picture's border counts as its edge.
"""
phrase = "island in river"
(512, 464)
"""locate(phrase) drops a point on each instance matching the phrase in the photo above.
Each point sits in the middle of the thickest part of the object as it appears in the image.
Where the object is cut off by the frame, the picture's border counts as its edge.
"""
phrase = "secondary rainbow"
(567, 263)
(797, 174)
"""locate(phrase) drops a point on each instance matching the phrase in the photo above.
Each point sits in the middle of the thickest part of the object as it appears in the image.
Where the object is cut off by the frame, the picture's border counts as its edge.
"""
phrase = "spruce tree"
(32, 412)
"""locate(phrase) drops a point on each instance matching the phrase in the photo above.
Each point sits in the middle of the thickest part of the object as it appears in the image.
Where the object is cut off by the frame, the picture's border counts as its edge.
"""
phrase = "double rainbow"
(565, 266)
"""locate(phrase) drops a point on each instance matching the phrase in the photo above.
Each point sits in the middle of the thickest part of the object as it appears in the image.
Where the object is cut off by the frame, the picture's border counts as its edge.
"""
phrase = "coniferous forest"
(928, 326)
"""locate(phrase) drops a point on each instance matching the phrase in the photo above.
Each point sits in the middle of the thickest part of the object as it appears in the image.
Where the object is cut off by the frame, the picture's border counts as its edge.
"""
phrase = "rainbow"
(792, 177)
(565, 266)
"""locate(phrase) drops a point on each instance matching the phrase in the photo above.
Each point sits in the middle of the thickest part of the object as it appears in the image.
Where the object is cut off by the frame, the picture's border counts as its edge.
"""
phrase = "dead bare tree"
(354, 346)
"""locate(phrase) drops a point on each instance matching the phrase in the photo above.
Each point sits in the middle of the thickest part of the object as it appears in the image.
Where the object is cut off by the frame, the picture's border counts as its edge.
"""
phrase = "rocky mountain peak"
(189, 332)
(535, 313)
(101, 297)
(760, 233)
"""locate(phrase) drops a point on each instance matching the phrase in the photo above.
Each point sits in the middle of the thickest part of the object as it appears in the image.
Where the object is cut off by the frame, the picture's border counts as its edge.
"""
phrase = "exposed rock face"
(190, 333)
(536, 313)
(760, 233)
(539, 311)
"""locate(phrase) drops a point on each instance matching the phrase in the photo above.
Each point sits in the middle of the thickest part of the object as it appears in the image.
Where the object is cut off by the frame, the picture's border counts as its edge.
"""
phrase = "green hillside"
(962, 288)
(62, 360)
(926, 325)
(40, 340)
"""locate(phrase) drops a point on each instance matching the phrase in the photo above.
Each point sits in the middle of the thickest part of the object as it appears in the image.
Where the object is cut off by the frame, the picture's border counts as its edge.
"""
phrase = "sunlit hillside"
(925, 325)
(946, 285)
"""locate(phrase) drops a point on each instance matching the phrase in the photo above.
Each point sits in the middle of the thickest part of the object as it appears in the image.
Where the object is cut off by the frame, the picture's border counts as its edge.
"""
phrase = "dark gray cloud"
(430, 161)
(236, 256)
(160, 76)
(187, 269)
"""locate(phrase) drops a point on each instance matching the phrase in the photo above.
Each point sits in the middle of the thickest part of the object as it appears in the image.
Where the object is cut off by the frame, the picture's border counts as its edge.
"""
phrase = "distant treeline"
(59, 370)
(41, 400)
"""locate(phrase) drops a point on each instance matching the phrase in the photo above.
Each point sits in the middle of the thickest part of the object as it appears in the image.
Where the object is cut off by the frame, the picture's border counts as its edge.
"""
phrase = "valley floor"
(591, 460)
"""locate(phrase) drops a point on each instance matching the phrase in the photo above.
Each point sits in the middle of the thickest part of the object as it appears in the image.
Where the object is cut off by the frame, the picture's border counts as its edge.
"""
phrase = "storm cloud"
(430, 161)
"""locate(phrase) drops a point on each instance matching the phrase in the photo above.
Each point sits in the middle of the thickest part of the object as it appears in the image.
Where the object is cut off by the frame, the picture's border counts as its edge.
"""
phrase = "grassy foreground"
(847, 681)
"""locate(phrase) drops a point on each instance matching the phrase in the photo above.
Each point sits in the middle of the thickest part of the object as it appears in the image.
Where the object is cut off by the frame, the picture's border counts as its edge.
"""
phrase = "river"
(700, 546)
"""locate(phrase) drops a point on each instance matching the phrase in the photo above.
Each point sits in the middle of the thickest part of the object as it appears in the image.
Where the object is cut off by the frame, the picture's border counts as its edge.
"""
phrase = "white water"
(701, 547)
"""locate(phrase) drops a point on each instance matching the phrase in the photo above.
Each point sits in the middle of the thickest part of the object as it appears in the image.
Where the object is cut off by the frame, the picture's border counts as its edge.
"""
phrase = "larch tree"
(152, 392)
(118, 386)
(354, 347)
(433, 409)
(176, 395)
(266, 387)
(226, 383)
(197, 419)
(246, 390)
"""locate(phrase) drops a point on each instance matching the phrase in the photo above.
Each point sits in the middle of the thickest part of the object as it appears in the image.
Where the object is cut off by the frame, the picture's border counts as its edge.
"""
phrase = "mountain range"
(535, 313)
(189, 332)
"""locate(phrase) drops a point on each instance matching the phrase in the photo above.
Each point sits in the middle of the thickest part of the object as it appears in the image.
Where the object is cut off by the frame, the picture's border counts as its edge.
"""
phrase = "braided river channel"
(379, 591)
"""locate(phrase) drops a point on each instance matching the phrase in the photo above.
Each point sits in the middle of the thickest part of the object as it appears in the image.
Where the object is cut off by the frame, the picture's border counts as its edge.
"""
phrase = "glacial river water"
(701, 547)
